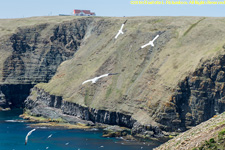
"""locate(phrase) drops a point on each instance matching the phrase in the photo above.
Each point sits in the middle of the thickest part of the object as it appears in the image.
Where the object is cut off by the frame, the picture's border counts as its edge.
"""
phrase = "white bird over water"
(120, 31)
(151, 42)
(28, 134)
(94, 80)
(49, 136)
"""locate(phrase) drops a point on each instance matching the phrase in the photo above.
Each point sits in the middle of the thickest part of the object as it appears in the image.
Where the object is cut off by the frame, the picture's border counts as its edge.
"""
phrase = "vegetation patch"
(192, 26)
(214, 143)
(109, 91)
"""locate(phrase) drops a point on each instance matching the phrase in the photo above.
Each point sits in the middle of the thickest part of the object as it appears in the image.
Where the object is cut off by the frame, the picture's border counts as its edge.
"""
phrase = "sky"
(119, 8)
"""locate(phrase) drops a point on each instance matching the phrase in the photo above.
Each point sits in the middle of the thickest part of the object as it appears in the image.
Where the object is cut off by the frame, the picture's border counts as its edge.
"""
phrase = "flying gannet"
(151, 42)
(49, 136)
(120, 31)
(94, 80)
(28, 134)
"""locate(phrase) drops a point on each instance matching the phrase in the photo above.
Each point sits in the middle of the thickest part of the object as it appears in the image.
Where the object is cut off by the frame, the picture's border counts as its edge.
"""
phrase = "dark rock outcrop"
(99, 116)
(197, 98)
(36, 53)
(115, 131)
(147, 131)
(41, 103)
(15, 94)
(3, 103)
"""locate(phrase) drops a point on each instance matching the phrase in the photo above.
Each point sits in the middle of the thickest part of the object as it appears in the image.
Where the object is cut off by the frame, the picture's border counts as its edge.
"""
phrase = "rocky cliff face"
(207, 135)
(172, 86)
(41, 103)
(35, 54)
(13, 95)
(198, 97)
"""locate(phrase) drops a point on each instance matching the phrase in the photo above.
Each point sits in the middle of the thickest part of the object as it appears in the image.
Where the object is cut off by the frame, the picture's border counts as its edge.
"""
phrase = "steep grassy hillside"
(148, 78)
(27, 46)
(172, 86)
(31, 50)
(206, 136)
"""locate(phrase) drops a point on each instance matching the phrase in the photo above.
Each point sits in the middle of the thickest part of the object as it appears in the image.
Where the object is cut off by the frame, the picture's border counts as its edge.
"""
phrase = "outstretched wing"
(117, 35)
(50, 136)
(26, 139)
(113, 74)
(104, 75)
(122, 27)
(28, 134)
(155, 38)
(87, 81)
(145, 45)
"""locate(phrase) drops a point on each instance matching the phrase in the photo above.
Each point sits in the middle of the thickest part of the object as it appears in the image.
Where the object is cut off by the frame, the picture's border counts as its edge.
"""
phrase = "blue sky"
(29, 8)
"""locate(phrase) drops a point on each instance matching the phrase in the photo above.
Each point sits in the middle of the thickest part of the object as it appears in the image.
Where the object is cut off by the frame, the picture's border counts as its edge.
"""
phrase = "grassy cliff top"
(147, 77)
(8, 26)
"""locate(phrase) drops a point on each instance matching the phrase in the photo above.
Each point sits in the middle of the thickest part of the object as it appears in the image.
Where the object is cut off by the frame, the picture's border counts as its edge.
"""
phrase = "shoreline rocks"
(53, 107)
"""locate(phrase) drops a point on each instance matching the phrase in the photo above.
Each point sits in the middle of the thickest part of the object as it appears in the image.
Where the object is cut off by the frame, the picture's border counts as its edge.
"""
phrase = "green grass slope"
(147, 77)
(209, 135)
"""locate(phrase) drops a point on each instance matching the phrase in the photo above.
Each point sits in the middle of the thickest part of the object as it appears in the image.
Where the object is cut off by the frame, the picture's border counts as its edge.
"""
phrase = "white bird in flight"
(94, 80)
(151, 42)
(49, 136)
(120, 31)
(28, 134)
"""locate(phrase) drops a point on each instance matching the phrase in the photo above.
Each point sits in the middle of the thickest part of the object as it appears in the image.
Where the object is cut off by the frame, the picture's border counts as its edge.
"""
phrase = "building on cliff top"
(77, 12)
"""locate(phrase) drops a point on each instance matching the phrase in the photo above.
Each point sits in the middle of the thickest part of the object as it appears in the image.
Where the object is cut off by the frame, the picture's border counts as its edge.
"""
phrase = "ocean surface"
(13, 131)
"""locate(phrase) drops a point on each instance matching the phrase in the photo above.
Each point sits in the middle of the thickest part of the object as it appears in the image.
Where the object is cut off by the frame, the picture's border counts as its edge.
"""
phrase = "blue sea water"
(13, 131)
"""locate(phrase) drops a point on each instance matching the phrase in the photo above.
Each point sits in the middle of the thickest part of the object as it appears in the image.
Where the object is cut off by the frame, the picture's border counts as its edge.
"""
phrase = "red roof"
(87, 11)
(77, 11)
